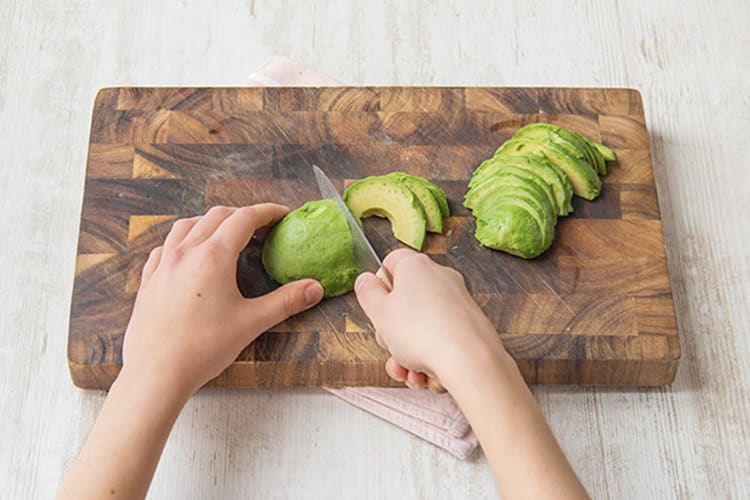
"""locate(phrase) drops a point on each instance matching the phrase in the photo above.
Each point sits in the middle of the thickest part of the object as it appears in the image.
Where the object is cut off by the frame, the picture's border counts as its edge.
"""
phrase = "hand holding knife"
(365, 257)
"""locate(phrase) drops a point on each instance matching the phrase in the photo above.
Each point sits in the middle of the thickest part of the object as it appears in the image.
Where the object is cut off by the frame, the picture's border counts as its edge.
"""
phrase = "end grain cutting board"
(595, 309)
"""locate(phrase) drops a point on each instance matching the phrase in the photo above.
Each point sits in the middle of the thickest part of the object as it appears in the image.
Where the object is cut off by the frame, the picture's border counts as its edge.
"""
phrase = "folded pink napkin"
(433, 417)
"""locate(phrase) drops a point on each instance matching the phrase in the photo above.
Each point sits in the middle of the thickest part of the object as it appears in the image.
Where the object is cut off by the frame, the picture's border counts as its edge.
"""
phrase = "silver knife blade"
(365, 257)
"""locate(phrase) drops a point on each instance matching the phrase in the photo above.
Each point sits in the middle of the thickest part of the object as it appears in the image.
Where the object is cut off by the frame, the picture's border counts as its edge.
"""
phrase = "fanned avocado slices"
(412, 204)
(517, 195)
(583, 177)
(419, 186)
(562, 189)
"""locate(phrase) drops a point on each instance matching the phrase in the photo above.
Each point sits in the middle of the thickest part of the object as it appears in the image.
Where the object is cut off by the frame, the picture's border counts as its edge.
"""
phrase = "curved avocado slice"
(585, 181)
(562, 189)
(433, 213)
(504, 180)
(386, 197)
(499, 192)
(509, 167)
(437, 192)
(510, 227)
(566, 138)
(606, 152)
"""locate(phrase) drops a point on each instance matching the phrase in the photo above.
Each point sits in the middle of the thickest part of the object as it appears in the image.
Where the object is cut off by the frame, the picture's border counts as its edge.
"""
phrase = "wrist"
(153, 385)
(486, 361)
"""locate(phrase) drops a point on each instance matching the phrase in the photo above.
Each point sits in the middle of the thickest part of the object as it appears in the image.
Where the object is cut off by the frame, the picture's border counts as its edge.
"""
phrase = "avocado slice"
(385, 197)
(606, 152)
(437, 192)
(504, 180)
(509, 167)
(433, 213)
(562, 189)
(511, 227)
(591, 150)
(503, 188)
(583, 177)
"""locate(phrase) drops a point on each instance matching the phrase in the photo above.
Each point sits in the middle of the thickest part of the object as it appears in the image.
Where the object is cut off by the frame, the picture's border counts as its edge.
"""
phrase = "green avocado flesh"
(562, 190)
(510, 227)
(313, 241)
(418, 186)
(384, 196)
(517, 195)
(523, 195)
(583, 177)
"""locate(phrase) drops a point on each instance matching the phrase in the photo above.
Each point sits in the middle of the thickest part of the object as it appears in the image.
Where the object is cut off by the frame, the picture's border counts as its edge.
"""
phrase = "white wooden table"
(690, 63)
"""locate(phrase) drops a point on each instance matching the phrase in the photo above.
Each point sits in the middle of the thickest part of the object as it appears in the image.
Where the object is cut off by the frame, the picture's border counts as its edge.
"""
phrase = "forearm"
(514, 434)
(123, 449)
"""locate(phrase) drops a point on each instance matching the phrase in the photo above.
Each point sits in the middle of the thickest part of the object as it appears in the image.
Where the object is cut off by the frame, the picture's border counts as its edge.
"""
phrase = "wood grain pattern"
(690, 440)
(595, 309)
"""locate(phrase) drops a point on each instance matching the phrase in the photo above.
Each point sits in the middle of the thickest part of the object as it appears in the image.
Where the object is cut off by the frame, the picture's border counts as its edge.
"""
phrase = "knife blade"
(365, 256)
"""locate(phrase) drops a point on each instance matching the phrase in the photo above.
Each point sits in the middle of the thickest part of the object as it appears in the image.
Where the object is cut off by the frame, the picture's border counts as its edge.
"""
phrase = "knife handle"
(432, 382)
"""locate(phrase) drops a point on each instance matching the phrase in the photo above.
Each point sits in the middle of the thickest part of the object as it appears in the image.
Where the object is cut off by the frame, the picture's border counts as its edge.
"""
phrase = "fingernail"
(362, 279)
(313, 293)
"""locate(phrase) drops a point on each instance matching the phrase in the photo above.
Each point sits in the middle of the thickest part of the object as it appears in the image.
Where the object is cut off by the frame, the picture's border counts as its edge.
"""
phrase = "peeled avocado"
(517, 195)
(313, 241)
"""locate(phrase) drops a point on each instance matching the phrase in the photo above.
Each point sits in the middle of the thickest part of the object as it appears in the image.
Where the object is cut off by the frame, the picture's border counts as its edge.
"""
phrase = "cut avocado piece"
(606, 152)
(503, 180)
(505, 187)
(562, 189)
(437, 192)
(386, 197)
(585, 180)
(433, 213)
(530, 175)
(595, 156)
(313, 241)
(572, 142)
(510, 227)
(440, 197)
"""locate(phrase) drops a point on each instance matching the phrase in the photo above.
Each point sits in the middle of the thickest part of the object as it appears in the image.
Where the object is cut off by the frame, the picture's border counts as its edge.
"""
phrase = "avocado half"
(313, 241)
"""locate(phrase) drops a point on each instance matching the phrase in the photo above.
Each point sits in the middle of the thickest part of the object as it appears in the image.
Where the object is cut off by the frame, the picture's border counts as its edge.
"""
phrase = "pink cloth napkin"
(433, 417)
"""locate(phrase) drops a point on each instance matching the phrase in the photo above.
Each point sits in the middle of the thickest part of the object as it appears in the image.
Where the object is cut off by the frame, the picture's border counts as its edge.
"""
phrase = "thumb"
(274, 307)
(371, 291)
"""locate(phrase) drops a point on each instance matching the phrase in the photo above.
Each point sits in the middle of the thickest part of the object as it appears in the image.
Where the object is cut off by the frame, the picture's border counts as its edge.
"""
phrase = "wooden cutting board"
(595, 309)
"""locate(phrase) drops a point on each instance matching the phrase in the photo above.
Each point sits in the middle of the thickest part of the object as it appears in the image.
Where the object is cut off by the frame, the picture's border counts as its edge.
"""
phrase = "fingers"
(412, 379)
(395, 370)
(371, 292)
(151, 263)
(236, 230)
(381, 342)
(207, 225)
(276, 306)
(179, 230)
(392, 259)
(416, 380)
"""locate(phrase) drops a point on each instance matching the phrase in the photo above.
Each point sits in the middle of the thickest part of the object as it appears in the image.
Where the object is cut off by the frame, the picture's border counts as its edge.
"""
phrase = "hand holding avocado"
(314, 240)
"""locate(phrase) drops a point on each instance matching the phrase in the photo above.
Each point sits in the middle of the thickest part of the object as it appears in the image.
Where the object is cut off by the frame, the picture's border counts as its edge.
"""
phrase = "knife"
(365, 257)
